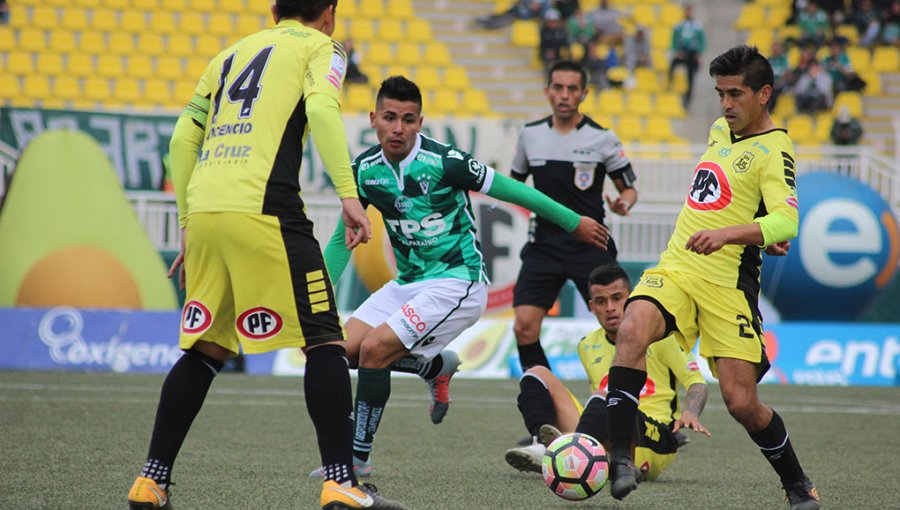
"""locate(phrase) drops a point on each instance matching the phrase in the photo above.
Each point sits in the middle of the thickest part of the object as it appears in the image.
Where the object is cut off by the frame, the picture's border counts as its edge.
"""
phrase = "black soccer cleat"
(802, 495)
(624, 477)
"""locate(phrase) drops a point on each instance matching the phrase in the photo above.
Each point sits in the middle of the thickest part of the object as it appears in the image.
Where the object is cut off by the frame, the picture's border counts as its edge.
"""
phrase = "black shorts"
(544, 272)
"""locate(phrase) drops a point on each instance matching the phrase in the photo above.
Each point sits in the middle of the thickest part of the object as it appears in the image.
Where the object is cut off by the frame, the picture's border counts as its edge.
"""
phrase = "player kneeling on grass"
(421, 187)
(549, 409)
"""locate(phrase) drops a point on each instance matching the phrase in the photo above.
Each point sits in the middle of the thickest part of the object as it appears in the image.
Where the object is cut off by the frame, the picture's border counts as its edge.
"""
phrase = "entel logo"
(873, 359)
(414, 319)
(196, 318)
(259, 323)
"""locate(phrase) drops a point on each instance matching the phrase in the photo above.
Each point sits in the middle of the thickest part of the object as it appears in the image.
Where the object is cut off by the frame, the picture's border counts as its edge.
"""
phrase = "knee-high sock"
(621, 406)
(329, 401)
(775, 445)
(425, 369)
(594, 420)
(180, 399)
(532, 355)
(373, 389)
(535, 404)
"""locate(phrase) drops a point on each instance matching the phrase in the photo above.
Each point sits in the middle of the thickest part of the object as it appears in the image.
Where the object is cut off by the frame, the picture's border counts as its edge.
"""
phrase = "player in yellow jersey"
(548, 407)
(256, 279)
(743, 198)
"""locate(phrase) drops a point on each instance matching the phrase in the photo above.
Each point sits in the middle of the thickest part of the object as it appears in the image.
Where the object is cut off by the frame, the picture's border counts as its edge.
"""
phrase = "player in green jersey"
(421, 187)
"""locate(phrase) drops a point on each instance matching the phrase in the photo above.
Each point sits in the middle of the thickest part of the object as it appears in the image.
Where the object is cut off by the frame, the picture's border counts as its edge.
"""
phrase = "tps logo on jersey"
(710, 190)
(195, 318)
(259, 323)
(584, 175)
(430, 226)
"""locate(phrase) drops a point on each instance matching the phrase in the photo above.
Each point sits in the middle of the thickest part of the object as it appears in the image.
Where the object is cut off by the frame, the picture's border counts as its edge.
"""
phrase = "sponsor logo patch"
(195, 318)
(710, 189)
(259, 323)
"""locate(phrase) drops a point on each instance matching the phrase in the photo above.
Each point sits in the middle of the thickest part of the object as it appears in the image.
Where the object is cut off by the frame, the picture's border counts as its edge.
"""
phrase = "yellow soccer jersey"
(667, 364)
(736, 181)
(257, 125)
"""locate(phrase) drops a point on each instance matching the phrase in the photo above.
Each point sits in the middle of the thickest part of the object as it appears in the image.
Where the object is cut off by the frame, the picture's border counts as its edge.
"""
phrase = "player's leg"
(737, 381)
(537, 287)
(436, 373)
(655, 449)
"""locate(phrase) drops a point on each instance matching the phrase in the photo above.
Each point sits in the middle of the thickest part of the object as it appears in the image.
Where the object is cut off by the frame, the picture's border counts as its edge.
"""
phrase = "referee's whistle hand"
(591, 232)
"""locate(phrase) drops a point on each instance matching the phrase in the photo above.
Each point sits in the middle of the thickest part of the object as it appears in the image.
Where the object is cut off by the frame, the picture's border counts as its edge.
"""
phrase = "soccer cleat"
(361, 468)
(802, 495)
(624, 477)
(145, 494)
(526, 458)
(548, 433)
(440, 387)
(338, 497)
(681, 439)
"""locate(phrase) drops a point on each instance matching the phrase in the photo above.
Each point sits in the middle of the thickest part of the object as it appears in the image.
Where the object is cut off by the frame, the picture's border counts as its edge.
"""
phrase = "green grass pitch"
(77, 440)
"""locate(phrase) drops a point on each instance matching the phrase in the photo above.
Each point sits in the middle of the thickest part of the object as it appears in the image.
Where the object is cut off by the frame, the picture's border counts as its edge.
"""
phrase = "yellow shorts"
(726, 321)
(256, 282)
(656, 447)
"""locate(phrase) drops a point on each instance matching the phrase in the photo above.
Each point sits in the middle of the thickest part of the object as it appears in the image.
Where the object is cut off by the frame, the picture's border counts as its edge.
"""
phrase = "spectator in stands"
(581, 30)
(846, 129)
(814, 25)
(814, 90)
(566, 8)
(781, 70)
(890, 33)
(522, 9)
(4, 13)
(867, 23)
(839, 67)
(594, 64)
(354, 75)
(637, 49)
(688, 42)
(554, 44)
(606, 20)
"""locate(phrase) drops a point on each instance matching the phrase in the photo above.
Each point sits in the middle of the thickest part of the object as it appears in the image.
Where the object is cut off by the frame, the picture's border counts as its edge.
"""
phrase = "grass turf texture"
(77, 440)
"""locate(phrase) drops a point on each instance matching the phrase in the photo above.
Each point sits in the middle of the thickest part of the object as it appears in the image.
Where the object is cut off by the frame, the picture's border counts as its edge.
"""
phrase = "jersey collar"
(735, 139)
(405, 162)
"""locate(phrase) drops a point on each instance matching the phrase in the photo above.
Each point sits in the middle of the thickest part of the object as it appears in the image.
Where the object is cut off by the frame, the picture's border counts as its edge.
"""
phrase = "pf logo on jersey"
(259, 323)
(195, 318)
(710, 190)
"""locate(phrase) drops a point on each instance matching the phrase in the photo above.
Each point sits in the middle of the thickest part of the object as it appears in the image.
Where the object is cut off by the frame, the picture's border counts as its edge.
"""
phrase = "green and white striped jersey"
(425, 204)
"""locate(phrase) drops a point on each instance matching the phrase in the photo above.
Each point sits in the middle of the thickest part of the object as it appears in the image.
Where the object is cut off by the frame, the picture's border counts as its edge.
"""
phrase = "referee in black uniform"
(568, 155)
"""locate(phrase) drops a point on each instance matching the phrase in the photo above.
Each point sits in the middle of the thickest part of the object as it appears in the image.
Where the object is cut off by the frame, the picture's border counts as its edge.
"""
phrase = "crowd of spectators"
(877, 21)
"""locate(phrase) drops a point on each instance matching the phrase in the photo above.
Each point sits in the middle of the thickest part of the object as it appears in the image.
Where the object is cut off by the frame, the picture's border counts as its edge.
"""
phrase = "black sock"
(329, 402)
(532, 355)
(425, 369)
(373, 389)
(621, 406)
(180, 399)
(594, 420)
(535, 404)
(775, 445)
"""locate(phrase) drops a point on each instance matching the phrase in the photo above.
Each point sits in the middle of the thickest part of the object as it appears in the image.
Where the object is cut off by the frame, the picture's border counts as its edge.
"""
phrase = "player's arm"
(628, 196)
(336, 255)
(694, 402)
(323, 109)
(684, 367)
(184, 148)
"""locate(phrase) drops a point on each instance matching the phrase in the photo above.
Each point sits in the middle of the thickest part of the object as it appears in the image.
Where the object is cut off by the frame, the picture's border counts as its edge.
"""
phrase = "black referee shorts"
(544, 273)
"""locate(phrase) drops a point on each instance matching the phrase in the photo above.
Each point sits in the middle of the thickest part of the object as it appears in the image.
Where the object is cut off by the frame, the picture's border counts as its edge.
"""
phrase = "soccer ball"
(575, 466)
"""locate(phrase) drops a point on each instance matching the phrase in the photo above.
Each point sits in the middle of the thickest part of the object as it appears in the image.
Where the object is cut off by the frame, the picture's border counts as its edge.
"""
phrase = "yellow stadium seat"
(182, 92)
(7, 40)
(659, 129)
(340, 31)
(49, 64)
(800, 128)
(249, 24)
(588, 105)
(346, 9)
(455, 77)
(90, 4)
(778, 15)
(103, 20)
(822, 133)
(96, 88)
(378, 52)
(419, 30)
(139, 66)
(127, 90)
(150, 44)
(133, 21)
(390, 30)
(475, 102)
(169, 68)
(157, 92)
(110, 66)
(761, 38)
(162, 22)
(661, 38)
(525, 34)
(659, 60)
(646, 79)
(121, 43)
(428, 78)
(670, 14)
(179, 45)
(61, 41)
(191, 23)
(873, 83)
(32, 39)
(886, 59)
(400, 9)
(232, 6)
(195, 68)
(605, 121)
(9, 86)
(208, 46)
(92, 42)
(639, 103)
(444, 101)
(786, 106)
(19, 16)
(116, 4)
(668, 104)
(36, 87)
(611, 102)
(630, 128)
(44, 17)
(679, 81)
(848, 32)
(362, 30)
(752, 16)
(66, 88)
(644, 14)
(373, 9)
(852, 100)
(173, 5)
(408, 53)
(617, 74)
(437, 54)
(74, 19)
(80, 65)
(399, 70)
(147, 5)
(204, 6)
(860, 58)
(359, 98)
(221, 24)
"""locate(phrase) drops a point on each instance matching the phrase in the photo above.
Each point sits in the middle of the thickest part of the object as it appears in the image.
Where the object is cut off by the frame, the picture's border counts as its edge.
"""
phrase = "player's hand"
(178, 264)
(618, 205)
(778, 249)
(705, 242)
(690, 420)
(591, 232)
(356, 224)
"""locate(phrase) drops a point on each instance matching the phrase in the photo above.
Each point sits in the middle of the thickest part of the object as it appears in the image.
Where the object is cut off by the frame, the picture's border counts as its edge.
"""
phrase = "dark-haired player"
(567, 155)
(743, 197)
(256, 280)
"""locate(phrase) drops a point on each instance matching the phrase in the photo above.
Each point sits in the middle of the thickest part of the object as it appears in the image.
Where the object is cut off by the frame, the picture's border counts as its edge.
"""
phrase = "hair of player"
(307, 10)
(607, 274)
(746, 61)
(567, 65)
(398, 88)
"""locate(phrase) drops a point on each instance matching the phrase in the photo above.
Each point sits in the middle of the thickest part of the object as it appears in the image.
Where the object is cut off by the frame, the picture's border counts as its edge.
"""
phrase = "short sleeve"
(462, 171)
(519, 164)
(613, 154)
(326, 69)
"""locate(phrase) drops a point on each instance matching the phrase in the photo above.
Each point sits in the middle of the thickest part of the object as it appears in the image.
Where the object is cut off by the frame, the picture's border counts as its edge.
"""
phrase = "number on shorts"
(746, 328)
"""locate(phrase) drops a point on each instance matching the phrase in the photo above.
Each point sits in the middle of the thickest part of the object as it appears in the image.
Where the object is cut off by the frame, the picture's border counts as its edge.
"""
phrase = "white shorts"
(426, 315)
